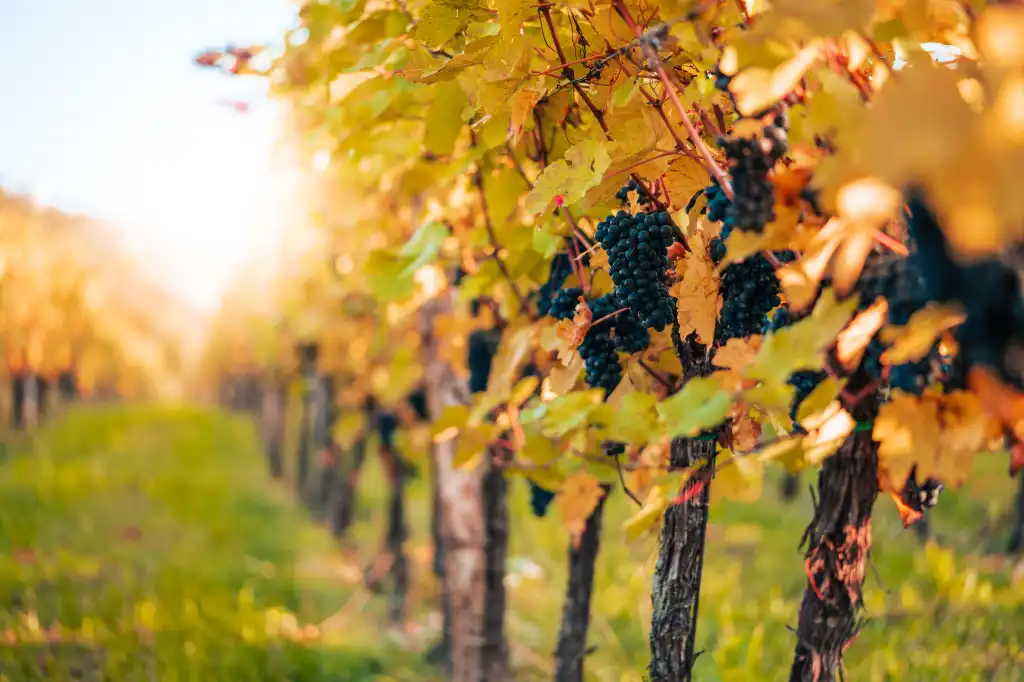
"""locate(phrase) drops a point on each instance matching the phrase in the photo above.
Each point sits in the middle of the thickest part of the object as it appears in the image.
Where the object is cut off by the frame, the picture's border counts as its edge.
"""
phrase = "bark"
(323, 419)
(462, 522)
(307, 360)
(347, 473)
(31, 401)
(18, 401)
(677, 574)
(397, 532)
(837, 543)
(1017, 530)
(272, 412)
(42, 398)
(572, 635)
(495, 498)
(67, 386)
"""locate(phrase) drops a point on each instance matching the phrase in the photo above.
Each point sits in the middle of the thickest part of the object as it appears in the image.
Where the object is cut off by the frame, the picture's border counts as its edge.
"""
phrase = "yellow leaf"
(444, 118)
(576, 501)
(819, 399)
(451, 421)
(698, 300)
(738, 479)
(907, 430)
(745, 429)
(802, 346)
(755, 89)
(570, 178)
(915, 340)
(854, 340)
(563, 377)
(649, 515)
(684, 177)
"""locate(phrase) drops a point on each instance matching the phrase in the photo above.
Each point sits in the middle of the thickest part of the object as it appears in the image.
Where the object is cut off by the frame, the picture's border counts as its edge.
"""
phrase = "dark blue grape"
(540, 499)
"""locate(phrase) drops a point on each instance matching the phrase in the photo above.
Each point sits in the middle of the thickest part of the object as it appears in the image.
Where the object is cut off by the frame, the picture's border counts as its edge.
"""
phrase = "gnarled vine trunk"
(18, 401)
(348, 468)
(837, 543)
(396, 534)
(272, 411)
(462, 523)
(572, 635)
(67, 386)
(677, 574)
(307, 362)
(495, 500)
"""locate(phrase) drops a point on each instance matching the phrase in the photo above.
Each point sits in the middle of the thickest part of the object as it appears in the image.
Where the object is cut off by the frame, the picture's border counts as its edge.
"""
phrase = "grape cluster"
(563, 305)
(750, 162)
(601, 360)
(560, 268)
(750, 290)
(418, 402)
(899, 281)
(482, 347)
(630, 336)
(540, 499)
(637, 248)
(643, 198)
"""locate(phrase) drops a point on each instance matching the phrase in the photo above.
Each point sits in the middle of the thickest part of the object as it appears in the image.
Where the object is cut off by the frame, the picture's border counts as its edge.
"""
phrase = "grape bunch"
(643, 198)
(563, 305)
(750, 162)
(750, 290)
(540, 499)
(899, 281)
(637, 248)
(482, 347)
(560, 268)
(630, 336)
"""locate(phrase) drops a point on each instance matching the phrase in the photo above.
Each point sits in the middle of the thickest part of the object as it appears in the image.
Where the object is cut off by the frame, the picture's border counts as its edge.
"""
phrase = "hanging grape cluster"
(750, 161)
(899, 281)
(750, 290)
(637, 248)
(560, 269)
(643, 197)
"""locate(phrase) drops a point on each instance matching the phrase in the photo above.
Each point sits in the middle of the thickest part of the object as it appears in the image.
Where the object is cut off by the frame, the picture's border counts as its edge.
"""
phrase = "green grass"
(160, 550)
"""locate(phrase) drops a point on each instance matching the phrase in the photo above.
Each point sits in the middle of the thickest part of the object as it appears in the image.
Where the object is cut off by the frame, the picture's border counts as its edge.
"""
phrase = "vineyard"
(613, 340)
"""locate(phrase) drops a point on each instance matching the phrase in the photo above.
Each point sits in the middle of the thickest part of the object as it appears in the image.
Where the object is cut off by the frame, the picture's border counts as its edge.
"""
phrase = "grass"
(147, 543)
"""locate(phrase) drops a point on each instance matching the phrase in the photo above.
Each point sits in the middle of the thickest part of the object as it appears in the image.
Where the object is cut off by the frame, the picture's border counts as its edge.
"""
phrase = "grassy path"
(147, 543)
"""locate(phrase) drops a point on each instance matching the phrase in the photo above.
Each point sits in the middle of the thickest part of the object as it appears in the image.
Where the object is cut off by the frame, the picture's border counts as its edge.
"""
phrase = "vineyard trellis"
(707, 238)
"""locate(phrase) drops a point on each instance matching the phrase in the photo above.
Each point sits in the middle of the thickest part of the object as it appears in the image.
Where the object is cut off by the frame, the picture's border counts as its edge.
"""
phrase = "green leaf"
(387, 278)
(582, 168)
(540, 450)
(701, 404)
(424, 246)
(634, 421)
(444, 118)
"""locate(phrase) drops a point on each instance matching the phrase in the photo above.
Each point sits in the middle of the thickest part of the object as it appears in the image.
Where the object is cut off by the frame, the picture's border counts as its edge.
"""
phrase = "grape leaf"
(570, 178)
(699, 405)
(739, 478)
(649, 516)
(578, 498)
(914, 341)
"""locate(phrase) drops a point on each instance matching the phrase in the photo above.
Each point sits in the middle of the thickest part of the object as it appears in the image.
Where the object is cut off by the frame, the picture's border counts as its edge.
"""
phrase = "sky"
(103, 112)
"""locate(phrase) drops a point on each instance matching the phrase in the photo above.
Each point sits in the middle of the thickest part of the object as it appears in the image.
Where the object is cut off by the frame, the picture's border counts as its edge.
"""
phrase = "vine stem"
(654, 62)
(478, 181)
(545, 11)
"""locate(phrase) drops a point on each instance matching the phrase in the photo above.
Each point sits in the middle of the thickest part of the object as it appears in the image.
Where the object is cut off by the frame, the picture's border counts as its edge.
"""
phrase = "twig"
(478, 181)
(622, 480)
(545, 11)
(654, 62)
